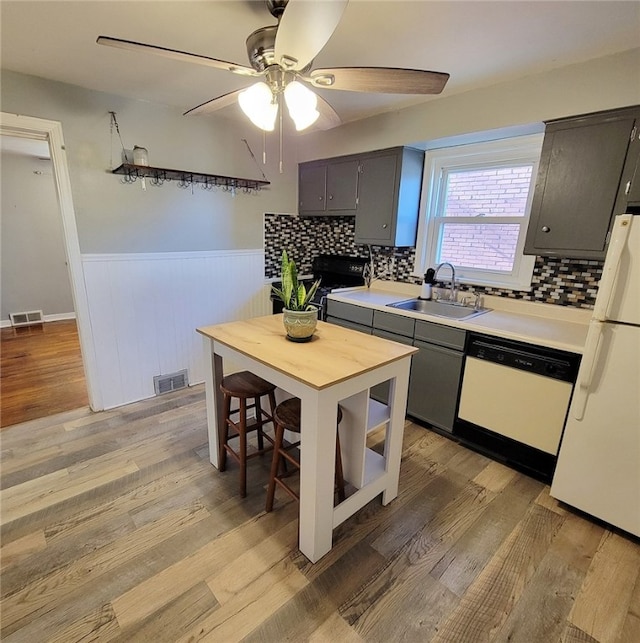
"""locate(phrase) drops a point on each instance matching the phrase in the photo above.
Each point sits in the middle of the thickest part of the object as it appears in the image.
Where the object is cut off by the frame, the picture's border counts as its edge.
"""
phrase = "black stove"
(334, 272)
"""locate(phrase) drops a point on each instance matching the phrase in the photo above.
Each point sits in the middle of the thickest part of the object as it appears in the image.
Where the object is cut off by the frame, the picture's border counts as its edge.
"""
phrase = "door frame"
(51, 131)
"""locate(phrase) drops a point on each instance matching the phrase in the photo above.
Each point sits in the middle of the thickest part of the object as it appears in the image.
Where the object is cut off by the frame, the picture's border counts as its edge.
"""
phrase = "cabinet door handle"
(331, 197)
(384, 225)
(546, 228)
(319, 198)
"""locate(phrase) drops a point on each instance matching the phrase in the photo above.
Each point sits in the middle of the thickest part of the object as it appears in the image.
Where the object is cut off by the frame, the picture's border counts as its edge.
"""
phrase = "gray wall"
(33, 268)
(602, 83)
(117, 218)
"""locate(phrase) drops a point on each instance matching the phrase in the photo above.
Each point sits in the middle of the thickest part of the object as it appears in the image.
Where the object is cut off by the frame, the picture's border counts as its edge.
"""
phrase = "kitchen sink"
(450, 309)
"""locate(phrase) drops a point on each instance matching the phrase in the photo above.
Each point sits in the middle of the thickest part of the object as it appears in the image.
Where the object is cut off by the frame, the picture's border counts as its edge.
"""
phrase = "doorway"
(51, 132)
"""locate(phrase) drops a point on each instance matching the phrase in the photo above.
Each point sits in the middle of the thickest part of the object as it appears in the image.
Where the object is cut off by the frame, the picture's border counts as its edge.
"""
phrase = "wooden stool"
(244, 385)
(287, 417)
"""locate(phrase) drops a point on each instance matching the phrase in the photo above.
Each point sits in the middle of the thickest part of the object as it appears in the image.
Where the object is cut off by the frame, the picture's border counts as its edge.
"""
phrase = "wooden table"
(337, 366)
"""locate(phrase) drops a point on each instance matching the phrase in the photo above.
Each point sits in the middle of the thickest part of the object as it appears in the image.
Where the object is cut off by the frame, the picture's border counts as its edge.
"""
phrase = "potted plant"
(300, 318)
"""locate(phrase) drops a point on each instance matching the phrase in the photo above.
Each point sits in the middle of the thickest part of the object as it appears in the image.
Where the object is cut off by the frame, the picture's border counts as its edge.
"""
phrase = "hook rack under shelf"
(159, 175)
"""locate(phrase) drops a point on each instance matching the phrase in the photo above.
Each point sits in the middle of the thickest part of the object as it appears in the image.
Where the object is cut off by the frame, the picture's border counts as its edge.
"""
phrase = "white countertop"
(561, 327)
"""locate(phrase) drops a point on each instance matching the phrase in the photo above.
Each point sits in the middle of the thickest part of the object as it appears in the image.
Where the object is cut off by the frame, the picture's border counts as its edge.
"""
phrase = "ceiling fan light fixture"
(258, 104)
(302, 105)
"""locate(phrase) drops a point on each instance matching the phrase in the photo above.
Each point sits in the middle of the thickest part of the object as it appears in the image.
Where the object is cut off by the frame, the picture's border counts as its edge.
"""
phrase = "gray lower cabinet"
(338, 311)
(436, 369)
(345, 323)
(436, 373)
(398, 329)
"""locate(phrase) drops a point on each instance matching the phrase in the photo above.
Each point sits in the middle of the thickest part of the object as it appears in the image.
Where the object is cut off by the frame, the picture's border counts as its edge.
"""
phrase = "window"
(475, 210)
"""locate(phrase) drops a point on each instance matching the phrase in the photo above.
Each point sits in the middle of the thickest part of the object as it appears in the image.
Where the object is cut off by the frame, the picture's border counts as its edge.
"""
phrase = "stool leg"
(272, 406)
(224, 435)
(243, 447)
(275, 463)
(259, 419)
(339, 473)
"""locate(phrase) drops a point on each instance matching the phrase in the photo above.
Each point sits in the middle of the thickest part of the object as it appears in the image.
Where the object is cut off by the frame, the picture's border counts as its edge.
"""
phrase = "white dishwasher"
(514, 401)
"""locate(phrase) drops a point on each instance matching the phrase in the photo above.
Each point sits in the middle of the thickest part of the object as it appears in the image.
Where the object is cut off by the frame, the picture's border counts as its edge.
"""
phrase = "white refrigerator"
(598, 469)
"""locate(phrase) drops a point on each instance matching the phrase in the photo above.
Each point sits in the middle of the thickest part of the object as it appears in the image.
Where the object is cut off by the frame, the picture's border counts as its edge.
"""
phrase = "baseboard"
(5, 323)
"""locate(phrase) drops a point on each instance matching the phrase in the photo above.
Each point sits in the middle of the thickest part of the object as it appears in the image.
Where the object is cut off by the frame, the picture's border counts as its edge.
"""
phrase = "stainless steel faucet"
(453, 290)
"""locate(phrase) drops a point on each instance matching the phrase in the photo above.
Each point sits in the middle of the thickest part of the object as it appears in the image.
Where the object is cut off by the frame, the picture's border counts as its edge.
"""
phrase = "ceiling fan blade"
(328, 118)
(304, 29)
(381, 80)
(216, 103)
(175, 54)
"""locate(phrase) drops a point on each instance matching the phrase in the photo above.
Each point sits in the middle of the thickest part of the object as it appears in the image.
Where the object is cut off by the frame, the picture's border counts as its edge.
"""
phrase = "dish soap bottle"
(425, 291)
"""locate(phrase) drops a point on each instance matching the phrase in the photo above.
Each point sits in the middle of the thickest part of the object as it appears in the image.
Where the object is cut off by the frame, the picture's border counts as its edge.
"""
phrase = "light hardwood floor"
(116, 528)
(41, 371)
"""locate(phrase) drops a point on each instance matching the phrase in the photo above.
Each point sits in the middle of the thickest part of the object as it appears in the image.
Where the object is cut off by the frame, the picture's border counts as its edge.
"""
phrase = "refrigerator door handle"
(587, 368)
(619, 237)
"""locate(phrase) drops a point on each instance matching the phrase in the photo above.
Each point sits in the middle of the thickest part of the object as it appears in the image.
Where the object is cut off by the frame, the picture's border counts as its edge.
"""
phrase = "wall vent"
(27, 318)
(171, 382)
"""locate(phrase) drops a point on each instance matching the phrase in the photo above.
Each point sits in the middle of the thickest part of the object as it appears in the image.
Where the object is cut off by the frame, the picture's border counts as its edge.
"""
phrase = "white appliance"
(598, 469)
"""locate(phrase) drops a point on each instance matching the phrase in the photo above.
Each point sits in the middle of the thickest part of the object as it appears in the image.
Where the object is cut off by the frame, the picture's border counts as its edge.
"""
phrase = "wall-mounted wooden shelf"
(159, 175)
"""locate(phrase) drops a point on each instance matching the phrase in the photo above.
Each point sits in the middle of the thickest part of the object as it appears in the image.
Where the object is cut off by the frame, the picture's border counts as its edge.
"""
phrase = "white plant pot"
(300, 324)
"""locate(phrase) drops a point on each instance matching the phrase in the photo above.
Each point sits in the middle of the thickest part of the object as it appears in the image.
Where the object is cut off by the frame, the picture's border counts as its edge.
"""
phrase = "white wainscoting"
(144, 309)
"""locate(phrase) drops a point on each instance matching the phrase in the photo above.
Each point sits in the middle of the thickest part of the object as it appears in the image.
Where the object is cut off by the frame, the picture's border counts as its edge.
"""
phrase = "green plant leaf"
(301, 296)
(287, 281)
(294, 295)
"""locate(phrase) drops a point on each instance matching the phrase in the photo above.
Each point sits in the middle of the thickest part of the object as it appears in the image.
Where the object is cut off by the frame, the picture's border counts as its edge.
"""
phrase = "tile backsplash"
(568, 282)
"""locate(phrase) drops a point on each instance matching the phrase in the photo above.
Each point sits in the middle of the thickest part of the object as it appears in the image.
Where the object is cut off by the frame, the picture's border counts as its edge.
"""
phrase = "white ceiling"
(479, 43)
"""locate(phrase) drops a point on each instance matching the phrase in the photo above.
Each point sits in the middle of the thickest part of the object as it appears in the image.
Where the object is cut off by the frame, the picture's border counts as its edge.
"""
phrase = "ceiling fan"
(281, 58)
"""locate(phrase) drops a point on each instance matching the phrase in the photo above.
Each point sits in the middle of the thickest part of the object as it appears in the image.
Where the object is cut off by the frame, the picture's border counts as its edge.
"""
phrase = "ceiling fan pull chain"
(264, 153)
(280, 115)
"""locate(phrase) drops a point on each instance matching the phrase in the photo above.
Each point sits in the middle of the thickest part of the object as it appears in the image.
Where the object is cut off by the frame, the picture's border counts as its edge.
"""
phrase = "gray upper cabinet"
(629, 192)
(328, 187)
(342, 186)
(381, 188)
(312, 187)
(389, 197)
(579, 183)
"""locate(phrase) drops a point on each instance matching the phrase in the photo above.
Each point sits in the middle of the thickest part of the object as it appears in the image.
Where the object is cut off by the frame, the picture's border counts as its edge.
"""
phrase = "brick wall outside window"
(498, 192)
(482, 194)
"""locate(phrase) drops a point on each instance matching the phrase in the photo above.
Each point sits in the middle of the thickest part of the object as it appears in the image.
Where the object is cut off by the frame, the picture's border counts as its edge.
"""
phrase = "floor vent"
(26, 318)
(172, 382)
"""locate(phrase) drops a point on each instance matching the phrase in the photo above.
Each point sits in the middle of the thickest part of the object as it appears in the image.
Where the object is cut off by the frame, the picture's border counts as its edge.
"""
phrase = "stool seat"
(287, 418)
(287, 414)
(245, 386)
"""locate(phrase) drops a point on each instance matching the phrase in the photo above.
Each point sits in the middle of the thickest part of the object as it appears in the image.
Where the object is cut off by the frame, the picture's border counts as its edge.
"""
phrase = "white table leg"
(393, 443)
(212, 378)
(317, 470)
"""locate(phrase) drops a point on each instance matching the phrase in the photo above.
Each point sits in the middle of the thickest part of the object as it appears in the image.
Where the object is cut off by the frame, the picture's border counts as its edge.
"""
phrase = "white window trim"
(522, 149)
